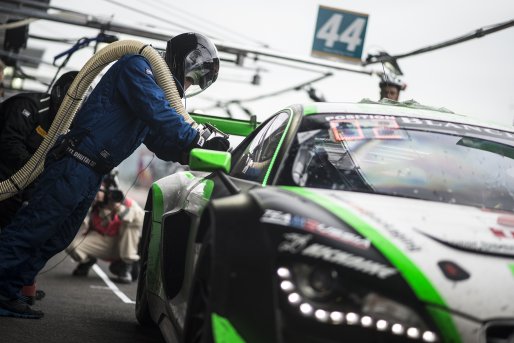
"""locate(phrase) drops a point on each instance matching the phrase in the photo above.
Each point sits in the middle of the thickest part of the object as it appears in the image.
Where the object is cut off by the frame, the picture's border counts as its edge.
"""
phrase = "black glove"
(217, 143)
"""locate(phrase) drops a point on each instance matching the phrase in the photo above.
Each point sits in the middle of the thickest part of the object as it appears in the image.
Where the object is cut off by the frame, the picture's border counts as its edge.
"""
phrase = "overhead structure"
(38, 10)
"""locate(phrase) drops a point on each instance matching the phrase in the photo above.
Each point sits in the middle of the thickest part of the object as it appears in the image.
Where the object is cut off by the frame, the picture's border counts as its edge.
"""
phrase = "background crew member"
(390, 87)
(26, 118)
(125, 109)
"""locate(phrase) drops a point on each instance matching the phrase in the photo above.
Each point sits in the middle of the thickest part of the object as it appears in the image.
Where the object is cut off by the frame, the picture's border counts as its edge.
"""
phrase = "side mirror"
(210, 160)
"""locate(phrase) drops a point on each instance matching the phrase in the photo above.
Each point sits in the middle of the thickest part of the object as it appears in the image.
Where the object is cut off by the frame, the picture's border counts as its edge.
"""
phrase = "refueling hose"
(64, 117)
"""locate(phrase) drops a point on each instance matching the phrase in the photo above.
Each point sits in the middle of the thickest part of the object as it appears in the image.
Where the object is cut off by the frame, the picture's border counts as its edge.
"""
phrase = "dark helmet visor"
(200, 69)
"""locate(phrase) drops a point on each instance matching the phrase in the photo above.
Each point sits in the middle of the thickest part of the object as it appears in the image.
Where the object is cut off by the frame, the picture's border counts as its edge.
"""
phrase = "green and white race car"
(337, 222)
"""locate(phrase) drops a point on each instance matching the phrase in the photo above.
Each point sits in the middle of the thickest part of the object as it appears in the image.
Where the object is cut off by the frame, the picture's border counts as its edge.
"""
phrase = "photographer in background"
(110, 232)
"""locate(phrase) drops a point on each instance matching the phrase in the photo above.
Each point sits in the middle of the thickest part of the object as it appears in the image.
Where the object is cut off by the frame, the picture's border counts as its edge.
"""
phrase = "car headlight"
(321, 293)
(316, 283)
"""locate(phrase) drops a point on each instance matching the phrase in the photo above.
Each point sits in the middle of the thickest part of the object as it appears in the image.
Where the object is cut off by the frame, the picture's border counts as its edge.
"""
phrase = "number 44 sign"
(339, 34)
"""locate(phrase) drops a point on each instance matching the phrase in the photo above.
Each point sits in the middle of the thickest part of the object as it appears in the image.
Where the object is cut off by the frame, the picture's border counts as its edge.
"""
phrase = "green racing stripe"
(153, 262)
(208, 188)
(157, 203)
(410, 272)
(223, 331)
(310, 109)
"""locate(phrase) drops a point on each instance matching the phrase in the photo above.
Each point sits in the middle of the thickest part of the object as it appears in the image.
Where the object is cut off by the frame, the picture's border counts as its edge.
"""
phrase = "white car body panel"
(489, 291)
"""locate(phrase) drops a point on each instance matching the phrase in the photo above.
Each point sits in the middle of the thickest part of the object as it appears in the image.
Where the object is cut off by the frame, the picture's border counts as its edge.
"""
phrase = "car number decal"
(427, 124)
(358, 129)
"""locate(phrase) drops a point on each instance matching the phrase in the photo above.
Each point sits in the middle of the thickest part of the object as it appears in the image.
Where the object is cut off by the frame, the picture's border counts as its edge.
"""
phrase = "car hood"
(465, 254)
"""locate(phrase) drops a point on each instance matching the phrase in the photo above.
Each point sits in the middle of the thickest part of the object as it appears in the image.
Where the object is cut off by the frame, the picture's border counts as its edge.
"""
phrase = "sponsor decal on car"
(506, 229)
(502, 233)
(506, 220)
(297, 243)
(482, 246)
(349, 260)
(458, 128)
(359, 116)
(485, 233)
(294, 242)
(314, 226)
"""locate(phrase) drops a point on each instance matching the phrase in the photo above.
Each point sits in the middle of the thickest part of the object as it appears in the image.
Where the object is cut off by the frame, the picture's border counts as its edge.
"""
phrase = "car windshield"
(407, 157)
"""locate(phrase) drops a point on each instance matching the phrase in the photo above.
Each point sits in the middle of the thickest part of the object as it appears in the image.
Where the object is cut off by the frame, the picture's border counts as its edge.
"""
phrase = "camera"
(115, 195)
(112, 192)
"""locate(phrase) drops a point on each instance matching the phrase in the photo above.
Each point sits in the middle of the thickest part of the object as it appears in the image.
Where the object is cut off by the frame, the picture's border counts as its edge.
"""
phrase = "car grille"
(499, 332)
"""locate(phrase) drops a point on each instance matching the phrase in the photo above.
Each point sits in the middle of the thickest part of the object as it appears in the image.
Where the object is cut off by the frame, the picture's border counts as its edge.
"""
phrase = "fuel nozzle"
(215, 130)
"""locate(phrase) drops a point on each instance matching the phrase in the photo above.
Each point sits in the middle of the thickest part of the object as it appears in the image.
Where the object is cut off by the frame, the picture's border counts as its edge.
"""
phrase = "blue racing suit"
(126, 108)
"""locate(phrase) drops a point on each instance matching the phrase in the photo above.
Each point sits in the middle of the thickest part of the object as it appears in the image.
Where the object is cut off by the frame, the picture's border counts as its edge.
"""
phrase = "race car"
(337, 222)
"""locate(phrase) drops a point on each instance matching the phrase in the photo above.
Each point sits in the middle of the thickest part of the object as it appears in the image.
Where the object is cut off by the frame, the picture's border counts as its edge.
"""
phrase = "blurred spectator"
(144, 170)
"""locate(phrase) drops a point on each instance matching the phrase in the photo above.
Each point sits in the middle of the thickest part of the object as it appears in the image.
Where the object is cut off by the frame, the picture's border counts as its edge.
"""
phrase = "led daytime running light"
(350, 318)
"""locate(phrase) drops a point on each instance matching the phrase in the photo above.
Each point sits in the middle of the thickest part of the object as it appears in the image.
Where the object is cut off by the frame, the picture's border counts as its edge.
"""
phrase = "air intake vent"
(499, 332)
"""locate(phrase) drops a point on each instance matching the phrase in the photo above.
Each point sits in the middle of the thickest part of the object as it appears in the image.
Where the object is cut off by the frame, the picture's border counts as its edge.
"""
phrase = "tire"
(198, 327)
(142, 307)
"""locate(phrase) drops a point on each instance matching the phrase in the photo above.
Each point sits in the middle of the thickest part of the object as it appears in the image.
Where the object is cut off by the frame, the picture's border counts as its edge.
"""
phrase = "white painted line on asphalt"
(98, 287)
(111, 285)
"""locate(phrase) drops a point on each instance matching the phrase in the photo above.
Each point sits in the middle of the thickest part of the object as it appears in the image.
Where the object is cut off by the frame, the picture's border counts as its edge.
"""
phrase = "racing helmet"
(193, 61)
(391, 80)
(60, 88)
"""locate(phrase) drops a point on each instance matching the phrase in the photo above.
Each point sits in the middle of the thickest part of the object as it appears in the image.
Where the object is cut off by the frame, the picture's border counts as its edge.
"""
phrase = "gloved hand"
(217, 143)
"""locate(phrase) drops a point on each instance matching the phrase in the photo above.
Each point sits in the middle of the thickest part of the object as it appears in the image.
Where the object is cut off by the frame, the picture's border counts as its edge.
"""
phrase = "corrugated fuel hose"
(73, 99)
